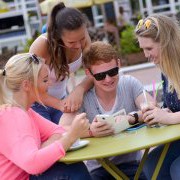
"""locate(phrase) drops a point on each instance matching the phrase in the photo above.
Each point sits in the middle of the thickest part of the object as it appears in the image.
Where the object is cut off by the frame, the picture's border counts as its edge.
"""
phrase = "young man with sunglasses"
(111, 93)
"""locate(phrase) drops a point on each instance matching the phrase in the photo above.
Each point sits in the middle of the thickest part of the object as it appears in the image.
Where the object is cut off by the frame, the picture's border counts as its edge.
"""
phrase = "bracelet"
(90, 133)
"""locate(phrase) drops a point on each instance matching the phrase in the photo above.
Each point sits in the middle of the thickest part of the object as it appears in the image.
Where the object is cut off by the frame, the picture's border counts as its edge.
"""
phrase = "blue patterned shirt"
(170, 100)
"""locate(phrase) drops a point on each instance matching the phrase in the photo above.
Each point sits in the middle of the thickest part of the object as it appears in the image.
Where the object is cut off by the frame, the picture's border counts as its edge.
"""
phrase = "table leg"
(140, 167)
(112, 169)
(160, 161)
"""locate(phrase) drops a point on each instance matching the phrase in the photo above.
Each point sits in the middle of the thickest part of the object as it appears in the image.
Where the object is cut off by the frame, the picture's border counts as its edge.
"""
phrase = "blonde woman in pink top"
(30, 145)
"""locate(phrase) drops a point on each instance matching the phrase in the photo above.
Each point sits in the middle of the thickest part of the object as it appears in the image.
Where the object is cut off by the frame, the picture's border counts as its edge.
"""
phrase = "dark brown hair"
(61, 18)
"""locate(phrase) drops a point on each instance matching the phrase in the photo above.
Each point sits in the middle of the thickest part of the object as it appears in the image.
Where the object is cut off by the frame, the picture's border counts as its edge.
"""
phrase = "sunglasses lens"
(113, 72)
(143, 23)
(147, 23)
(140, 23)
(34, 59)
(100, 76)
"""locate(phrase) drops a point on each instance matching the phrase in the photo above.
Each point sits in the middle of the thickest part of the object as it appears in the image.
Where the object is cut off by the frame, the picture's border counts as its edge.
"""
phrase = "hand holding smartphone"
(111, 119)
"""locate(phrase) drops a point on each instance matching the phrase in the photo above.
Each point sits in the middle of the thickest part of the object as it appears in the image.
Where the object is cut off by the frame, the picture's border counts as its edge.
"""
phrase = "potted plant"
(129, 47)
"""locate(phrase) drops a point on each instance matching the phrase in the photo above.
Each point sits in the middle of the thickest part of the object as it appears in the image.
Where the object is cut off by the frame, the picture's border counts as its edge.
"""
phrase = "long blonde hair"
(166, 32)
(18, 68)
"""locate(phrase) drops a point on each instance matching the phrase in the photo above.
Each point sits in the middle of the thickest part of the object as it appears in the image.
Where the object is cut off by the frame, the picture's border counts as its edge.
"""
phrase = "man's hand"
(101, 128)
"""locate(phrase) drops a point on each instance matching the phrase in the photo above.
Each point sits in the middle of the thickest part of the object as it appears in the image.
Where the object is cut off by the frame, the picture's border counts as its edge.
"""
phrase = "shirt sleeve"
(46, 127)
(81, 109)
(134, 85)
(19, 143)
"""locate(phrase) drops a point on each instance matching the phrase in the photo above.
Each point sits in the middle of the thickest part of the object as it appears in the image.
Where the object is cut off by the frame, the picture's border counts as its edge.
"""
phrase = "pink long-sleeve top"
(21, 135)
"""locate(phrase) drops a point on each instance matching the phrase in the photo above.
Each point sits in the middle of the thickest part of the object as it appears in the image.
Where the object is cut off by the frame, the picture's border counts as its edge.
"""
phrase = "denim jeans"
(62, 171)
(128, 168)
(171, 164)
(47, 112)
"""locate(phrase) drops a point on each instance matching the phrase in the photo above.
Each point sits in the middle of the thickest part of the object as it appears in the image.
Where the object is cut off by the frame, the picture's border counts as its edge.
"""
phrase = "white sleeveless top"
(58, 88)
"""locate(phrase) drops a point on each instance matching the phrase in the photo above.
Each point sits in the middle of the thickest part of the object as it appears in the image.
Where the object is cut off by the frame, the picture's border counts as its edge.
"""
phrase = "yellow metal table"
(126, 142)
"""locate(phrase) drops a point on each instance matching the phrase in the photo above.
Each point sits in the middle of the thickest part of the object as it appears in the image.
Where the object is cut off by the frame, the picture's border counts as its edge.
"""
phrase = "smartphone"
(104, 117)
(135, 127)
(117, 126)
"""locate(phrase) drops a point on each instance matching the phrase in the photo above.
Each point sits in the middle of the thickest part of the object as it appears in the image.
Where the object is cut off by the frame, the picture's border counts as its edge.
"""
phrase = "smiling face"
(151, 49)
(43, 80)
(109, 84)
(75, 39)
(42, 84)
(34, 92)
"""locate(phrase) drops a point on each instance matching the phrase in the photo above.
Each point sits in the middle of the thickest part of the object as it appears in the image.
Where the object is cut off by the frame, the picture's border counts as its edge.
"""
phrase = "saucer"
(81, 144)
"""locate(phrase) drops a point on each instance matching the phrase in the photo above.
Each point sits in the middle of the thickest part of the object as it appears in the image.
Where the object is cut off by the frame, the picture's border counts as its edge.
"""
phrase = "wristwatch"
(135, 115)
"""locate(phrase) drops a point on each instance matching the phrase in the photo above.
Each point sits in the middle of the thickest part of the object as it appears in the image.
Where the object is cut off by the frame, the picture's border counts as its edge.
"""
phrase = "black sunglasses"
(34, 58)
(102, 75)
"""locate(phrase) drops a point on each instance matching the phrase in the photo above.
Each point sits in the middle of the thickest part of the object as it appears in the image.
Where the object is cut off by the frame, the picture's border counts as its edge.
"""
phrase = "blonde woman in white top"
(62, 47)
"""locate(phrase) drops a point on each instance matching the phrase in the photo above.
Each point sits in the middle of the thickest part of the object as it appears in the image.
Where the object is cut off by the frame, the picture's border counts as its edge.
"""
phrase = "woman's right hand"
(157, 115)
(146, 107)
(74, 100)
(80, 125)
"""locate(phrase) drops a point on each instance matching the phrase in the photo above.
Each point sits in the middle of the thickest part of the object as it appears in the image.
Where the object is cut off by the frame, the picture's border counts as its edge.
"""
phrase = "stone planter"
(135, 58)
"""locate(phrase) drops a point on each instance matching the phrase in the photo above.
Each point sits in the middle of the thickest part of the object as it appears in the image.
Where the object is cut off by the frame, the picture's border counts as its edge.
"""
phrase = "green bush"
(128, 41)
(28, 44)
(30, 41)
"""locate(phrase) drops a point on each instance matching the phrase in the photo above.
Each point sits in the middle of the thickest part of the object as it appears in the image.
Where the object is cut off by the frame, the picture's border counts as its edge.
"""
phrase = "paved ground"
(147, 75)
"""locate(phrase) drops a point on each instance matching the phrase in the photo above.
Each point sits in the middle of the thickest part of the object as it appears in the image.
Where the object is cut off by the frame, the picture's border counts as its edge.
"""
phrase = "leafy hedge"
(128, 41)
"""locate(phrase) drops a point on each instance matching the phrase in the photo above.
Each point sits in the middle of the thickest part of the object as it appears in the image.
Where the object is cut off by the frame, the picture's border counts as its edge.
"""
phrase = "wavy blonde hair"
(165, 31)
(18, 68)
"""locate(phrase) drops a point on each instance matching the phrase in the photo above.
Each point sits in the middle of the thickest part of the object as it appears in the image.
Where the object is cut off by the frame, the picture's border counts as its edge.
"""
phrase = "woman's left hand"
(74, 100)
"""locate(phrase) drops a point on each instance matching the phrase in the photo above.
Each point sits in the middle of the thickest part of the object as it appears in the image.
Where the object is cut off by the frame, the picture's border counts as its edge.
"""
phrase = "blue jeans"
(62, 171)
(47, 112)
(128, 168)
(171, 164)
